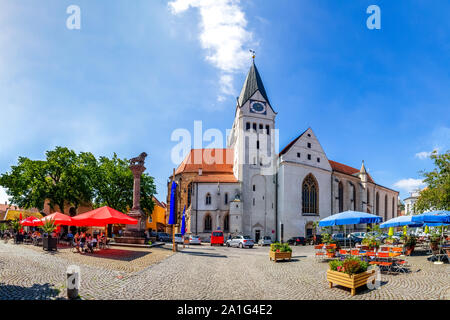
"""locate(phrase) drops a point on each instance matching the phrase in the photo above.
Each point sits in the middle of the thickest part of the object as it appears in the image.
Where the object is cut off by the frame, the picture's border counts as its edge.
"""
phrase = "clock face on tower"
(258, 107)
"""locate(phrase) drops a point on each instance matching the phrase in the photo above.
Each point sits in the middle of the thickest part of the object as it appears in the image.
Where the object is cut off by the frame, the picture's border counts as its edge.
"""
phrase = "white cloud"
(409, 184)
(3, 195)
(423, 155)
(223, 35)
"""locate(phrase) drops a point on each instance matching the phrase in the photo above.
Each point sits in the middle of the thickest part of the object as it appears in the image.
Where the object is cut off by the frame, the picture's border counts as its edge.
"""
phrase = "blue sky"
(137, 70)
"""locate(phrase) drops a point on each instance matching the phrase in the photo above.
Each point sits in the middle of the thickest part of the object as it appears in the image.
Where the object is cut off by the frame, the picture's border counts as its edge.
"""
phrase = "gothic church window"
(310, 191)
(377, 204)
(208, 199)
(189, 196)
(208, 223)
(341, 196)
(226, 223)
(226, 198)
(385, 208)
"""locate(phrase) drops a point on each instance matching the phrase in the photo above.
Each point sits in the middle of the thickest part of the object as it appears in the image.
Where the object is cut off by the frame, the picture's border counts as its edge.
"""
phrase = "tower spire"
(252, 83)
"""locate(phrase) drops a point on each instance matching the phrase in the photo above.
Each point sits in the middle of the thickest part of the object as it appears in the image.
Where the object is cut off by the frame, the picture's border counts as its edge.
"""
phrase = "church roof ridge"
(253, 83)
(290, 144)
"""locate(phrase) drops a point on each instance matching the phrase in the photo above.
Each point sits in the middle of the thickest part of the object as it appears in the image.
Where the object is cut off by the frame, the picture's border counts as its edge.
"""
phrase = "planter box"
(273, 255)
(49, 244)
(349, 281)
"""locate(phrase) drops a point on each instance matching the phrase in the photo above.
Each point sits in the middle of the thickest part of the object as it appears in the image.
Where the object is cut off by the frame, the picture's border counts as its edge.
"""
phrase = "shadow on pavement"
(203, 254)
(35, 292)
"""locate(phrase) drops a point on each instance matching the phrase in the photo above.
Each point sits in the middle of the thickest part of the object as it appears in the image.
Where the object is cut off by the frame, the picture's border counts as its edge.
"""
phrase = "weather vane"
(253, 52)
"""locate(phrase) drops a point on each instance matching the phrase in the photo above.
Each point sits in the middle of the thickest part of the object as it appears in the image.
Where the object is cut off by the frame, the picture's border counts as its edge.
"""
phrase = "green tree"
(59, 179)
(437, 193)
(66, 178)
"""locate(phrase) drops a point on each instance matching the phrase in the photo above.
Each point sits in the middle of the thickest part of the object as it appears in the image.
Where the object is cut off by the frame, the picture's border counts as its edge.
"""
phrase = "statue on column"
(138, 168)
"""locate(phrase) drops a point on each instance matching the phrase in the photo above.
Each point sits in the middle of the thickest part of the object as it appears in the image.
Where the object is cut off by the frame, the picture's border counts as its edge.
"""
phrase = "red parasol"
(31, 222)
(59, 218)
(101, 217)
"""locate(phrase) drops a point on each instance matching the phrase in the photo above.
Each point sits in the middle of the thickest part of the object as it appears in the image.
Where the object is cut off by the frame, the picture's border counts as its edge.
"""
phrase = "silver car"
(179, 238)
(265, 241)
(241, 242)
(195, 240)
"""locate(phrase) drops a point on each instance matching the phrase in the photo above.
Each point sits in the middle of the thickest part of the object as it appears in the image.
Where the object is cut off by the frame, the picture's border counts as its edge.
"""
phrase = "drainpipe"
(332, 183)
(196, 209)
(276, 205)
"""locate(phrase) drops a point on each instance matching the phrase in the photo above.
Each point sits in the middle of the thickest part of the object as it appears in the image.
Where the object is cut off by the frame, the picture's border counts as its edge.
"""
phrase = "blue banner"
(183, 222)
(172, 217)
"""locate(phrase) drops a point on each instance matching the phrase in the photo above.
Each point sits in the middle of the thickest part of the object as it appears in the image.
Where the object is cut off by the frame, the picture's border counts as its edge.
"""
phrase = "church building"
(249, 189)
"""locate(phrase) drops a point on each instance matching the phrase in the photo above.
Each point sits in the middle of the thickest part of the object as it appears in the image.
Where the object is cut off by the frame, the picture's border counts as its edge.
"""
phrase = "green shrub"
(279, 246)
(350, 265)
(334, 264)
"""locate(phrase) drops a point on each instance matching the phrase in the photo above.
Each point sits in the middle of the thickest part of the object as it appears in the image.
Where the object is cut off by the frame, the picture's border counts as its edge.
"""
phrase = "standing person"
(82, 241)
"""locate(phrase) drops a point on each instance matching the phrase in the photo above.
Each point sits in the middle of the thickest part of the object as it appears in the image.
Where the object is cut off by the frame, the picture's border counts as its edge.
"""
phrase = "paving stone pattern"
(200, 272)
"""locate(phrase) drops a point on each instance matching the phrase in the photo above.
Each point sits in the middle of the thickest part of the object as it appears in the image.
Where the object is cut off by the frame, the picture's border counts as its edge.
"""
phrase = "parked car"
(342, 240)
(310, 239)
(265, 241)
(164, 237)
(179, 238)
(194, 240)
(297, 241)
(217, 238)
(241, 242)
(379, 236)
(357, 234)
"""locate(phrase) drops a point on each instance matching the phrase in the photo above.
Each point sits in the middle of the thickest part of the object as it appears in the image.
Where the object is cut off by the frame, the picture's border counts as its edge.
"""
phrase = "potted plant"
(280, 251)
(409, 245)
(16, 225)
(350, 273)
(48, 242)
(434, 241)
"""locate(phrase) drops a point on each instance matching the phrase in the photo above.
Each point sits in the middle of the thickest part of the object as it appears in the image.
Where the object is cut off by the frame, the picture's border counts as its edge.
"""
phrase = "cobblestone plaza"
(201, 272)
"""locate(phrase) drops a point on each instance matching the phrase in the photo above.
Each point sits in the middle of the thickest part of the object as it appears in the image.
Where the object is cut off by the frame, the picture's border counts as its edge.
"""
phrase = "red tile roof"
(157, 202)
(214, 161)
(342, 168)
(222, 178)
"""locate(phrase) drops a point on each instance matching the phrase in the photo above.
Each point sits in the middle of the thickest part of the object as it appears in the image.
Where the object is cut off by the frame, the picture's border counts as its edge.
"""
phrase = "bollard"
(73, 282)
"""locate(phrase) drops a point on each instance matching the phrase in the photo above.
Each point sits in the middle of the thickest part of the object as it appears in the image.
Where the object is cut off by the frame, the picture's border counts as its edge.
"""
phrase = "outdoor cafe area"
(390, 257)
(84, 233)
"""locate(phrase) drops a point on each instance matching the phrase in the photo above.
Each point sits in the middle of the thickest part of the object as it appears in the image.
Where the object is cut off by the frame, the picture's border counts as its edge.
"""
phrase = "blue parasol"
(349, 217)
(401, 221)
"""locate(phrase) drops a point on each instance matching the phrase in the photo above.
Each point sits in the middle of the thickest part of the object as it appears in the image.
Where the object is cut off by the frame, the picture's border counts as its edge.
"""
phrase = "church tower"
(253, 139)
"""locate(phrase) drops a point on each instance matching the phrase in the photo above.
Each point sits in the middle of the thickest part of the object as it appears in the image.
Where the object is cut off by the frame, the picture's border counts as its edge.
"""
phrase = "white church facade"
(248, 188)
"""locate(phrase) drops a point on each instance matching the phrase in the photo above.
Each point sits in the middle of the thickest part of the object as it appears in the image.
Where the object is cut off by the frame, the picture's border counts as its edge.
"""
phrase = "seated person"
(94, 243)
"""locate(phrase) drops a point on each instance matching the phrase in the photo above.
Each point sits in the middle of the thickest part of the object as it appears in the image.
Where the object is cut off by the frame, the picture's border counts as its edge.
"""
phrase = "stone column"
(137, 168)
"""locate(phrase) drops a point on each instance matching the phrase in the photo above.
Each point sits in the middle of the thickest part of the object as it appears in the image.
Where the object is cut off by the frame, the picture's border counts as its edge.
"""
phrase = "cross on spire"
(253, 52)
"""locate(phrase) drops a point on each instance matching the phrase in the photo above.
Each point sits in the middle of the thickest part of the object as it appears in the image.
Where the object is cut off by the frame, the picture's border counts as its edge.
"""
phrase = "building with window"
(248, 188)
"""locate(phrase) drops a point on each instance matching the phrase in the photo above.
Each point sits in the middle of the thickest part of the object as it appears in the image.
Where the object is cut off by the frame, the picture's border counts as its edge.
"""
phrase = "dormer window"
(298, 154)
(309, 145)
(318, 159)
(309, 157)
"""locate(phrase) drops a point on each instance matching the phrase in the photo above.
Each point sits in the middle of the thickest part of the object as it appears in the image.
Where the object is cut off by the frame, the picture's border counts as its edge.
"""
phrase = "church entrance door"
(257, 236)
